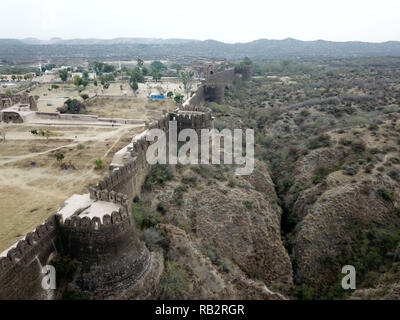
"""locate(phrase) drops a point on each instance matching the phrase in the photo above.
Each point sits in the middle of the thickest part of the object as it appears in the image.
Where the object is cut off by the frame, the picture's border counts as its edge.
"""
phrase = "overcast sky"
(228, 21)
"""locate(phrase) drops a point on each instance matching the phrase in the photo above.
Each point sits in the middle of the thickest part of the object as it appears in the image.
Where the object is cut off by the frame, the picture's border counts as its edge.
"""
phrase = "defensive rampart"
(115, 263)
(7, 101)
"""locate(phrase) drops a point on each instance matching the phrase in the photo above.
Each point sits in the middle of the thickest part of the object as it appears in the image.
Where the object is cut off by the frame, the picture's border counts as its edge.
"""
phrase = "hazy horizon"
(225, 21)
(161, 38)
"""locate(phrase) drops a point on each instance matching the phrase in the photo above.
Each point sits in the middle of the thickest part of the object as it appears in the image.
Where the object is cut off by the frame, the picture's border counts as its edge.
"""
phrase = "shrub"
(387, 195)
(178, 194)
(179, 98)
(154, 238)
(220, 124)
(84, 96)
(394, 174)
(373, 127)
(351, 170)
(345, 142)
(321, 141)
(72, 107)
(143, 216)
(98, 163)
(303, 292)
(189, 180)
(59, 156)
(158, 175)
(219, 108)
(305, 113)
(175, 282)
(248, 204)
(320, 173)
(284, 184)
(81, 147)
(358, 146)
(356, 121)
(161, 208)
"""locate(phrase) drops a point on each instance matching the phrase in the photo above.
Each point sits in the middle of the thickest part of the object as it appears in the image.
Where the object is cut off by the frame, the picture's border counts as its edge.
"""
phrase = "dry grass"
(32, 184)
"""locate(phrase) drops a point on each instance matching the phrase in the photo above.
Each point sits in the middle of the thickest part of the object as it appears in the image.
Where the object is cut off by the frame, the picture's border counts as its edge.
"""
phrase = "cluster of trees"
(78, 81)
(105, 80)
(17, 77)
(101, 67)
(72, 106)
(49, 67)
(63, 75)
(157, 69)
(43, 133)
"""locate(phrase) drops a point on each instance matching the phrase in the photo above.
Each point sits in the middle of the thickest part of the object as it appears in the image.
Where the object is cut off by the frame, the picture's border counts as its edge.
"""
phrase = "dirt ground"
(50, 99)
(32, 183)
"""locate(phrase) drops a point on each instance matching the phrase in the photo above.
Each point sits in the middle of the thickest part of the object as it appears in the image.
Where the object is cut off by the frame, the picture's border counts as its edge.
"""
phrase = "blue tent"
(157, 96)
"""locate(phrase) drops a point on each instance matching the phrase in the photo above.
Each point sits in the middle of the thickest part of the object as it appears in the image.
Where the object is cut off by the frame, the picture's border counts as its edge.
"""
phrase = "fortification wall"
(116, 263)
(221, 78)
(245, 71)
(11, 117)
(214, 87)
(20, 270)
(96, 240)
(7, 101)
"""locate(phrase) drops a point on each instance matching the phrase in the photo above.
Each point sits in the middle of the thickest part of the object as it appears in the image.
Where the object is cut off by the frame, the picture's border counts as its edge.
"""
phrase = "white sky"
(228, 21)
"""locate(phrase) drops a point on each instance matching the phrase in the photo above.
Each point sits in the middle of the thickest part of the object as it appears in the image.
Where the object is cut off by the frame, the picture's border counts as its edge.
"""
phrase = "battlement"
(20, 269)
(108, 236)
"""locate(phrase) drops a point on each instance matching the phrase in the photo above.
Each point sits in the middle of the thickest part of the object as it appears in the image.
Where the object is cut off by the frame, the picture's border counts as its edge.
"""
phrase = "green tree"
(77, 81)
(247, 62)
(63, 75)
(158, 65)
(98, 163)
(140, 63)
(157, 75)
(187, 80)
(59, 156)
(134, 86)
(179, 98)
(137, 75)
(170, 94)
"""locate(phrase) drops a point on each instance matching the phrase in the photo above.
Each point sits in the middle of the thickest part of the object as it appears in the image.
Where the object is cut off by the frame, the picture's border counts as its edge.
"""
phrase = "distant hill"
(12, 50)
(60, 41)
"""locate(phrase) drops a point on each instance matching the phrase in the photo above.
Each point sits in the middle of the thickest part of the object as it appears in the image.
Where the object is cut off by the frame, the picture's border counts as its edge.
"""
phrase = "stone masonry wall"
(20, 271)
(7, 101)
(116, 261)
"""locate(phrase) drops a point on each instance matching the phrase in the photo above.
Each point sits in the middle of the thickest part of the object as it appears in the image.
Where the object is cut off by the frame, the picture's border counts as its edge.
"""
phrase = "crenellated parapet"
(21, 268)
(114, 261)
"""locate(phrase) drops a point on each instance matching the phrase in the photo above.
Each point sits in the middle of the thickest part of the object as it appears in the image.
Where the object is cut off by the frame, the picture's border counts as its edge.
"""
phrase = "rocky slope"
(224, 230)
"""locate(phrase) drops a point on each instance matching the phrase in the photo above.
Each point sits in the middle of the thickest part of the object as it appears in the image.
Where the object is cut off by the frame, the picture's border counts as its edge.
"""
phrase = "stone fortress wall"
(7, 101)
(213, 89)
(116, 264)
